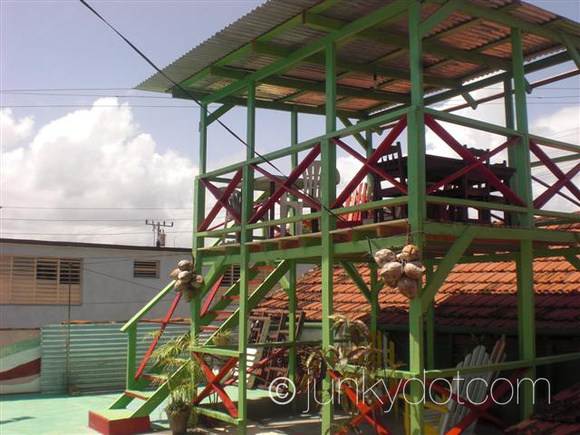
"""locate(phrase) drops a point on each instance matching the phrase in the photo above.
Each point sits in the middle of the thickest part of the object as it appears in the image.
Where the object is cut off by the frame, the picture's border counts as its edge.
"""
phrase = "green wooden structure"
(382, 68)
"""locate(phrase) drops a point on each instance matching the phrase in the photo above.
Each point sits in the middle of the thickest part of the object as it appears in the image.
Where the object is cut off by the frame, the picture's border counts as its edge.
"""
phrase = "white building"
(39, 280)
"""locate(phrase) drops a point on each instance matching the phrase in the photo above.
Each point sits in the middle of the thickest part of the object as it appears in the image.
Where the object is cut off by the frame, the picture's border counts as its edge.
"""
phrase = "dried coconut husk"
(383, 256)
(184, 276)
(407, 287)
(188, 295)
(410, 253)
(197, 281)
(414, 269)
(181, 286)
(391, 272)
(174, 273)
(184, 265)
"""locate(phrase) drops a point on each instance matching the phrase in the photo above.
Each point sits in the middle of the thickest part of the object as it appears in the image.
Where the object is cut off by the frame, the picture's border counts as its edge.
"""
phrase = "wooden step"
(209, 328)
(217, 313)
(155, 377)
(138, 394)
(118, 422)
(231, 297)
(266, 268)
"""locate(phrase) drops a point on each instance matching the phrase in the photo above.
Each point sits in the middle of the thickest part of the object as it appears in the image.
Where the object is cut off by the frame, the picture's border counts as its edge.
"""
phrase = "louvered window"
(145, 269)
(28, 280)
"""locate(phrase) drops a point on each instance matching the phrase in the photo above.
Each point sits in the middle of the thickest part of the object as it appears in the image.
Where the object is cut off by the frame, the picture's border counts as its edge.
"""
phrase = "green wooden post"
(198, 216)
(131, 355)
(374, 291)
(417, 206)
(430, 322)
(328, 223)
(525, 269)
(245, 237)
(293, 159)
(292, 326)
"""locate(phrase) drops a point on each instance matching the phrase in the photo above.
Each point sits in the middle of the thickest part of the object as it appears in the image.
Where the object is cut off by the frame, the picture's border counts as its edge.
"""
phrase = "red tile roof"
(477, 295)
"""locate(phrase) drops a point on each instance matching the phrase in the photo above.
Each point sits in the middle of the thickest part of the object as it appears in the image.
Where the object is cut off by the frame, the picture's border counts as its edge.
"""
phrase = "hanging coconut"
(184, 276)
(407, 287)
(410, 253)
(189, 294)
(184, 265)
(391, 273)
(197, 281)
(174, 273)
(414, 269)
(181, 286)
(383, 256)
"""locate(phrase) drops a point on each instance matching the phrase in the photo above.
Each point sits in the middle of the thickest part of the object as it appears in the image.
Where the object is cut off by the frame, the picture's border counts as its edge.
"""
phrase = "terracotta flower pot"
(178, 421)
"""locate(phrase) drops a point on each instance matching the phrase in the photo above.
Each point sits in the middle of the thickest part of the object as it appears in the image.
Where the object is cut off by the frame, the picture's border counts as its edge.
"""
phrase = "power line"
(91, 208)
(84, 220)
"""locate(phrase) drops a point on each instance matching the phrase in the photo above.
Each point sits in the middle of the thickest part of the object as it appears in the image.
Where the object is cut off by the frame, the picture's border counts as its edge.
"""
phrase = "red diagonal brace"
(210, 297)
(164, 323)
(214, 386)
(260, 363)
(375, 156)
(474, 165)
(222, 200)
(563, 179)
(370, 166)
(541, 200)
(280, 182)
(467, 156)
(298, 170)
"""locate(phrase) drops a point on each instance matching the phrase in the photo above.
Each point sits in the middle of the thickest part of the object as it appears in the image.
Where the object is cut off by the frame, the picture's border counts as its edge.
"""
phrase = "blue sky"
(61, 45)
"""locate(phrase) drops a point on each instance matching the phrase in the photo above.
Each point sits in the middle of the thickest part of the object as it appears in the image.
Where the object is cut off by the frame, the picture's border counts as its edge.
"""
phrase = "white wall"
(109, 291)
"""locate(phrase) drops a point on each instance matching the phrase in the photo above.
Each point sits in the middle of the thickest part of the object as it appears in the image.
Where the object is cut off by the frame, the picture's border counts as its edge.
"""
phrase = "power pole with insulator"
(158, 233)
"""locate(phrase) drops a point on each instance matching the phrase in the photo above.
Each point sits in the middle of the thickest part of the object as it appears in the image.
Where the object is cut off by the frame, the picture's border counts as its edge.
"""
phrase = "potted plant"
(181, 375)
(222, 338)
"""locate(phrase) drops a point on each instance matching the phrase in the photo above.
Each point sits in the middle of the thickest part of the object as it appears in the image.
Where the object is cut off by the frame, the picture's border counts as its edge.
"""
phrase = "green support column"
(131, 356)
(328, 223)
(198, 215)
(525, 263)
(245, 237)
(292, 326)
(417, 205)
(293, 158)
(430, 322)
(374, 291)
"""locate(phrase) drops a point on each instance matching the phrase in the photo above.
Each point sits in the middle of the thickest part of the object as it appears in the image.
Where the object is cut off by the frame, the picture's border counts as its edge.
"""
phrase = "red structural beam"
(222, 200)
(369, 166)
(294, 175)
(473, 165)
(211, 296)
(213, 385)
(374, 158)
(260, 363)
(469, 157)
(153, 344)
(564, 179)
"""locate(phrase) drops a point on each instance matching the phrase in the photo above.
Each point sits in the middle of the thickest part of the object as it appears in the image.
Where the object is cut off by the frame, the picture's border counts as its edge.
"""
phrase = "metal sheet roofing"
(475, 295)
(375, 60)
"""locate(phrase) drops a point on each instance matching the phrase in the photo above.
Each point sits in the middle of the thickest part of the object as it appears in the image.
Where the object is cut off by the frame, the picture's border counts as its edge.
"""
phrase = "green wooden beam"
(313, 86)
(439, 16)
(511, 21)
(216, 114)
(357, 136)
(401, 41)
(574, 261)
(247, 48)
(262, 104)
(572, 50)
(378, 16)
(445, 266)
(353, 274)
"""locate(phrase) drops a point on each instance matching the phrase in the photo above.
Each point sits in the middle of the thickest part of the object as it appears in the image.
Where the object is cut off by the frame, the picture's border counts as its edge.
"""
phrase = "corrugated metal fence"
(97, 355)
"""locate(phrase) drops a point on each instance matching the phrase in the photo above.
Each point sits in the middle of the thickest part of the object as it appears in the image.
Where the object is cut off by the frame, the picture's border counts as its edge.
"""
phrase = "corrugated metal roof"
(475, 295)
(473, 35)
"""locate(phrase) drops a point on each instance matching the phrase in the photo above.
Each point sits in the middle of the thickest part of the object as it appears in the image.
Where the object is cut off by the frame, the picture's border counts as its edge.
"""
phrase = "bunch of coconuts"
(401, 271)
(186, 280)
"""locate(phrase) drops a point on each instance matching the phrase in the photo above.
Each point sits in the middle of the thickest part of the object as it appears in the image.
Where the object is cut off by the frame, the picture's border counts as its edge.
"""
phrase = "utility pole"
(158, 233)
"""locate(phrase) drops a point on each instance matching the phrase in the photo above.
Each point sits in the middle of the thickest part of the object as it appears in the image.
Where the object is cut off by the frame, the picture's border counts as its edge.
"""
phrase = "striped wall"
(19, 361)
(96, 356)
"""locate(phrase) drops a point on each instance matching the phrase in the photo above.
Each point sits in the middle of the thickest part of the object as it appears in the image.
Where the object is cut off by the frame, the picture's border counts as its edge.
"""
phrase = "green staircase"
(151, 388)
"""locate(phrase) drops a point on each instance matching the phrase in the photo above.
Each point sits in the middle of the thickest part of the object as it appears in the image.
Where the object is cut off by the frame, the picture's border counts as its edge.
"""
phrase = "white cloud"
(97, 157)
(13, 131)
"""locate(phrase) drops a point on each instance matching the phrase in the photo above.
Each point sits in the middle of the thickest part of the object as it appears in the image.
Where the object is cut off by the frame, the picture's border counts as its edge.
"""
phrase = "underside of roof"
(472, 40)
